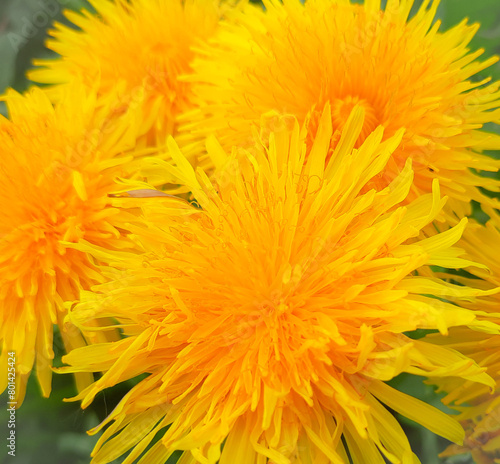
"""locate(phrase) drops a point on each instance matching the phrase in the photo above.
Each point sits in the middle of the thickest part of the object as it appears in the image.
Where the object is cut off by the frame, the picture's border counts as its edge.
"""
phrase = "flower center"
(341, 109)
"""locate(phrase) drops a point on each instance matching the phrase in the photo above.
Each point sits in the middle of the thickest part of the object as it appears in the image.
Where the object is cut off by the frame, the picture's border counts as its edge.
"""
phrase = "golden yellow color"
(145, 44)
(479, 407)
(295, 57)
(270, 314)
(57, 165)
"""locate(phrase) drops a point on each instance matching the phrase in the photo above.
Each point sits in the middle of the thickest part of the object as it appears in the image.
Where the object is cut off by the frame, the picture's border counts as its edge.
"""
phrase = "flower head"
(57, 165)
(479, 407)
(269, 316)
(146, 44)
(295, 56)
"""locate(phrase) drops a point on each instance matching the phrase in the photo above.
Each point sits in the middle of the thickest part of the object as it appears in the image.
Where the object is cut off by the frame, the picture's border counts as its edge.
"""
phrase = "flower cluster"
(255, 209)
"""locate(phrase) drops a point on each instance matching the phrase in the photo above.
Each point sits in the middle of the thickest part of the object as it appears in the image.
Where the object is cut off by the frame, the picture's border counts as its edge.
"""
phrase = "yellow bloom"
(295, 57)
(57, 164)
(479, 408)
(270, 316)
(146, 44)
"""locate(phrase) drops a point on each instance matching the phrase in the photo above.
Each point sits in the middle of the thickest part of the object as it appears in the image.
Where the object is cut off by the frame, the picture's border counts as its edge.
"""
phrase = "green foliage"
(484, 12)
(23, 31)
(49, 430)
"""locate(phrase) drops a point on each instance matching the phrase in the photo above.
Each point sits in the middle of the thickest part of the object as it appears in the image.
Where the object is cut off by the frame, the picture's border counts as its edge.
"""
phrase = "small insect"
(150, 193)
(142, 193)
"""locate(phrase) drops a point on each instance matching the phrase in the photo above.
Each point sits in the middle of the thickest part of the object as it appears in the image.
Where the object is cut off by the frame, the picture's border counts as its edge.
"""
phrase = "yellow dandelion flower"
(269, 316)
(479, 407)
(146, 44)
(57, 164)
(295, 56)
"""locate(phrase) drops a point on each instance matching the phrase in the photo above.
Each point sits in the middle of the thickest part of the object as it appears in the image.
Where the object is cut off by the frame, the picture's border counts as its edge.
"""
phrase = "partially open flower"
(479, 406)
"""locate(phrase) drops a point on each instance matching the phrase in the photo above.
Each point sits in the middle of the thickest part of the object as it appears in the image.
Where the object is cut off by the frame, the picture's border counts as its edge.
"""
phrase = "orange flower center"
(341, 109)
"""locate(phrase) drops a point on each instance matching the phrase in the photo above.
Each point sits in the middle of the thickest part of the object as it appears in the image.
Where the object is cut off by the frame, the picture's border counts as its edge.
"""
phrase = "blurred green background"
(50, 431)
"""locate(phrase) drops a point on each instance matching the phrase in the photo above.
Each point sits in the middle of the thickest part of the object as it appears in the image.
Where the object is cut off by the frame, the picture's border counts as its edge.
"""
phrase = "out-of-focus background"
(50, 431)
